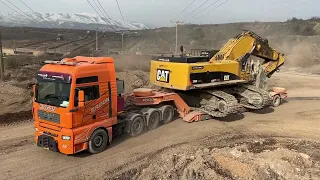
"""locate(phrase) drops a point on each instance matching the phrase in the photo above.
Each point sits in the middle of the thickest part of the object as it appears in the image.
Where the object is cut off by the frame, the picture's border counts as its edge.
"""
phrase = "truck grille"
(52, 117)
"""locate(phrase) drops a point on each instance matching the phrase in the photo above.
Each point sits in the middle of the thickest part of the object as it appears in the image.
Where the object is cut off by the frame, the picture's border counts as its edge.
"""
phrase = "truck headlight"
(66, 137)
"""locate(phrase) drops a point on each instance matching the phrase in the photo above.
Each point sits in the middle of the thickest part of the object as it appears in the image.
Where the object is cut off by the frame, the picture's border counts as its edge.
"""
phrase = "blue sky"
(160, 12)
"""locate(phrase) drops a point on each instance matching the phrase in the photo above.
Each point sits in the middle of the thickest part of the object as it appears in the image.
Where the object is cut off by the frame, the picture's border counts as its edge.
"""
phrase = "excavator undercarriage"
(220, 102)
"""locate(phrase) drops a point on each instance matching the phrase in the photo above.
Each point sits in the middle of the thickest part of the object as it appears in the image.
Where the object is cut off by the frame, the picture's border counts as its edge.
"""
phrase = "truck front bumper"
(46, 137)
(48, 143)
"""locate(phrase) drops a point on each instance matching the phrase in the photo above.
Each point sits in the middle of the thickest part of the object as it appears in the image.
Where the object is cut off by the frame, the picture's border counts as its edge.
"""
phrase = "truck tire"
(276, 100)
(98, 141)
(167, 113)
(137, 126)
(153, 118)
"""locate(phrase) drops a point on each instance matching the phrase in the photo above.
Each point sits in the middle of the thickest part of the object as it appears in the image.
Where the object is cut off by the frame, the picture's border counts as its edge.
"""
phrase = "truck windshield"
(53, 93)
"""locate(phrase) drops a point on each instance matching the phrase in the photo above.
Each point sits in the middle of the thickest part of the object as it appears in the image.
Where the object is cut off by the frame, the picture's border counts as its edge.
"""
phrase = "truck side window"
(90, 93)
(87, 80)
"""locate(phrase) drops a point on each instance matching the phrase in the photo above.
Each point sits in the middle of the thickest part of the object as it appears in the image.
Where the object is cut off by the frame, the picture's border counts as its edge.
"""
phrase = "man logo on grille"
(48, 108)
(163, 75)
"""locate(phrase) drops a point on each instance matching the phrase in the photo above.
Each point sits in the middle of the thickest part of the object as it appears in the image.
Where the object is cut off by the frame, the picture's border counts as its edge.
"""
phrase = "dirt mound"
(255, 159)
(14, 98)
(15, 103)
(135, 79)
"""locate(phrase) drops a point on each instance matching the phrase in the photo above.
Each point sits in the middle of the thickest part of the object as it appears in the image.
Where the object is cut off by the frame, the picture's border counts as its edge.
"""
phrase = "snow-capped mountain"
(69, 21)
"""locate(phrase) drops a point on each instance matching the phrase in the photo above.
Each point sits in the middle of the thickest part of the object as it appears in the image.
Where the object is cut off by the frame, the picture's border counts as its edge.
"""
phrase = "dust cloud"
(302, 53)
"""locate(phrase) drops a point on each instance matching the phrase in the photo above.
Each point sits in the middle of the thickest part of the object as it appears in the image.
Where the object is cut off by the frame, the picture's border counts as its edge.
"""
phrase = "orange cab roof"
(92, 60)
(82, 65)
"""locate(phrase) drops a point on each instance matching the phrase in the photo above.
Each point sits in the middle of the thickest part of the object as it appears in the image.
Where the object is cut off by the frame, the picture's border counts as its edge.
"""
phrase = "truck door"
(97, 98)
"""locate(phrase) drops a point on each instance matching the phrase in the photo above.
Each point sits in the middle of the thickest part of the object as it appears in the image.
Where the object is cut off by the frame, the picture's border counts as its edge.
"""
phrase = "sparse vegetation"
(15, 62)
(304, 27)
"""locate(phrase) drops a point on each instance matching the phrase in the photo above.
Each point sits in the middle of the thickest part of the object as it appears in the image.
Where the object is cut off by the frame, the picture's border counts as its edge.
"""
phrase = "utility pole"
(122, 43)
(177, 23)
(97, 45)
(1, 60)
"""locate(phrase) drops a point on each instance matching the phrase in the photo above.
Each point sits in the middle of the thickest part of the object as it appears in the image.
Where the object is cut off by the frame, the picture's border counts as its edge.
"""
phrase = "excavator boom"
(246, 44)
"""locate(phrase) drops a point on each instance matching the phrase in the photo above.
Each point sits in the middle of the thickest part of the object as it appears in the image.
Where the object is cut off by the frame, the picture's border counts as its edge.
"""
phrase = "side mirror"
(81, 98)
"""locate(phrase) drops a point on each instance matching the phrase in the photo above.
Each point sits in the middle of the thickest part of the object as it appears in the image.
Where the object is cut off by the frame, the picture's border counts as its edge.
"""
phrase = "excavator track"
(221, 104)
(250, 98)
(267, 100)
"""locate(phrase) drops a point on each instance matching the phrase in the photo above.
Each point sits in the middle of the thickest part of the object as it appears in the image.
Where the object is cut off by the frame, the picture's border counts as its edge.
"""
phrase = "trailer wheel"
(167, 112)
(98, 141)
(276, 100)
(153, 118)
(137, 126)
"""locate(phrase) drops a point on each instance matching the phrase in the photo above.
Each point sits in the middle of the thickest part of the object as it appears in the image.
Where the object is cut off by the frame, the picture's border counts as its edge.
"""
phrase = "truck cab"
(74, 100)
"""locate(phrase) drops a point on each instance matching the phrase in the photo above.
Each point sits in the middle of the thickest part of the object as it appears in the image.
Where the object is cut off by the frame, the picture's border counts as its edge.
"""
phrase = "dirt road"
(274, 135)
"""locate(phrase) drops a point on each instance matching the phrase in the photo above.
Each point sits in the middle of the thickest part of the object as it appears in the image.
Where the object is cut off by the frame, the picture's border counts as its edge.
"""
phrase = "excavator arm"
(246, 44)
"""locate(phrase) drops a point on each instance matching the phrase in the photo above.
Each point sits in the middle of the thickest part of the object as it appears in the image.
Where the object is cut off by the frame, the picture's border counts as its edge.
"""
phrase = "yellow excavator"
(221, 82)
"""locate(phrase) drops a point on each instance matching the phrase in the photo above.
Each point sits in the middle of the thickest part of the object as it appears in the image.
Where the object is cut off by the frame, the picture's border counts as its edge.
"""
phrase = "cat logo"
(163, 75)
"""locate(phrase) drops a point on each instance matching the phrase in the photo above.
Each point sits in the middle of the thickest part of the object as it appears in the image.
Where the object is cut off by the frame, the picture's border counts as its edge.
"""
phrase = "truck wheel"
(137, 126)
(153, 119)
(167, 112)
(276, 100)
(98, 141)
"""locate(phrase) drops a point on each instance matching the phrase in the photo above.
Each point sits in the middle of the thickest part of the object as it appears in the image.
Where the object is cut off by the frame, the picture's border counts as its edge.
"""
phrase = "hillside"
(214, 35)
(298, 39)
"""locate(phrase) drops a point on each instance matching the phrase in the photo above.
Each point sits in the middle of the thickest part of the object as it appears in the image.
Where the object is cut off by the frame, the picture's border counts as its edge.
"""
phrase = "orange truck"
(79, 105)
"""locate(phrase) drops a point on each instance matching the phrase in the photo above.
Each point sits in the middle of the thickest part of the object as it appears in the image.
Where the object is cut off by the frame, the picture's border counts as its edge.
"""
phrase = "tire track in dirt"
(314, 98)
(15, 118)
(13, 145)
